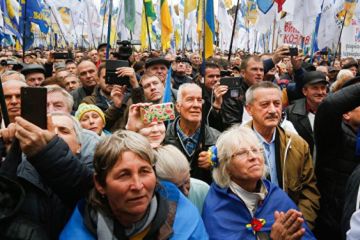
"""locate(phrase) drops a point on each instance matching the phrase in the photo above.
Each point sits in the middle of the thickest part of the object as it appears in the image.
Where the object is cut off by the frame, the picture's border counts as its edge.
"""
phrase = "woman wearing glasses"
(241, 203)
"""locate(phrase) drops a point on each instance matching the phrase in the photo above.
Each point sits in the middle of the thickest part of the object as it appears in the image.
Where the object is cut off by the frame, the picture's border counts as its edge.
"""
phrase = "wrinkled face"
(153, 89)
(79, 56)
(190, 106)
(129, 186)
(246, 165)
(154, 132)
(72, 68)
(254, 72)
(180, 67)
(106, 88)
(93, 55)
(92, 121)
(266, 107)
(71, 83)
(212, 76)
(56, 103)
(315, 93)
(183, 182)
(35, 79)
(62, 74)
(353, 70)
(196, 60)
(159, 70)
(12, 98)
(64, 128)
(87, 74)
(189, 69)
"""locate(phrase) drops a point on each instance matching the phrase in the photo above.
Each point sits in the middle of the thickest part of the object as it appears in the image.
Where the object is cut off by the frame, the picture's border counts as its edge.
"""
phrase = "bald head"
(88, 74)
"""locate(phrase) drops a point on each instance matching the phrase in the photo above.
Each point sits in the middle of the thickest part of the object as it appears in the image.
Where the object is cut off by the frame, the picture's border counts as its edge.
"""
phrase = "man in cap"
(101, 51)
(158, 66)
(179, 75)
(34, 74)
(302, 112)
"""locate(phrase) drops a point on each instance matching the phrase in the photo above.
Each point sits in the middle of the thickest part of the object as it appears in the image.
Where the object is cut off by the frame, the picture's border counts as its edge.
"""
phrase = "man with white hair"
(185, 132)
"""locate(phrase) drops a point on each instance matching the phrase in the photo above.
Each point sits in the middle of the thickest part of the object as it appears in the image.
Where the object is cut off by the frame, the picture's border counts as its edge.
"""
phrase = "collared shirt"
(269, 155)
(189, 143)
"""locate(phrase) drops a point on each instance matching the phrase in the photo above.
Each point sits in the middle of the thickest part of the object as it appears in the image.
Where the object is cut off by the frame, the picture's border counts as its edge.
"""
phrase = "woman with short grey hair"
(241, 203)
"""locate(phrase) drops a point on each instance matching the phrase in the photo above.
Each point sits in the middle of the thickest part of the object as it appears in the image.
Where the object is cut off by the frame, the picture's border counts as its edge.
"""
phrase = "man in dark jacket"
(337, 123)
(186, 131)
(302, 112)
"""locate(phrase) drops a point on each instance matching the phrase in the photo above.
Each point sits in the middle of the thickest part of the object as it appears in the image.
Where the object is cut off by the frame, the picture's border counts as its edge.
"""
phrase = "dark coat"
(336, 159)
(211, 136)
(297, 114)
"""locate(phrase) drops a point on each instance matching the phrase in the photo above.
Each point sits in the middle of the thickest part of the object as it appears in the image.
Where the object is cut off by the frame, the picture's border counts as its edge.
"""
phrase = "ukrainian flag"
(209, 29)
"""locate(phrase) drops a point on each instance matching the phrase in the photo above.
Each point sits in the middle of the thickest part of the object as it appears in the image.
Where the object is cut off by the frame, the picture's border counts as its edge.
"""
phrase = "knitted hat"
(84, 108)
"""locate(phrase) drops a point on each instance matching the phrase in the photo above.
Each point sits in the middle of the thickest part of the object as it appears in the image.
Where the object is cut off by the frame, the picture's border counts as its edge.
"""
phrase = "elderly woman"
(176, 169)
(92, 118)
(127, 202)
(241, 204)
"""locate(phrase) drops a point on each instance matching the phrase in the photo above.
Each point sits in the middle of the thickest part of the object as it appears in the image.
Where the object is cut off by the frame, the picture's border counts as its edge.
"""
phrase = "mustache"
(272, 116)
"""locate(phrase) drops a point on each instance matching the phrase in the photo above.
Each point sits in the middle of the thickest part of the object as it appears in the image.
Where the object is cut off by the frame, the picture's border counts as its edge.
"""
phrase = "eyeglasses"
(245, 153)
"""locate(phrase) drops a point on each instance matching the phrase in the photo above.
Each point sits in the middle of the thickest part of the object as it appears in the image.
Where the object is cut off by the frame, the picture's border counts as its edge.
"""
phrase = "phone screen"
(33, 105)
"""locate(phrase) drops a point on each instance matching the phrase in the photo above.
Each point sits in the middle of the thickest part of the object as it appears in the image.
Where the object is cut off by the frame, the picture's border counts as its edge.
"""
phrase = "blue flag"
(8, 23)
(265, 5)
(35, 14)
(167, 90)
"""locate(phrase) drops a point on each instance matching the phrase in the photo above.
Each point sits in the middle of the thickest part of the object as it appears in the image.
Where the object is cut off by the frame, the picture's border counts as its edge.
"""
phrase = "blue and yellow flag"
(8, 23)
(35, 14)
(209, 29)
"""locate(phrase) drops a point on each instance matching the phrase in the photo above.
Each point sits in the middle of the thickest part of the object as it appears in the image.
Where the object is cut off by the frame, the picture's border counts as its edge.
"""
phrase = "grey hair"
(170, 162)
(69, 100)
(77, 127)
(181, 89)
(12, 72)
(249, 95)
(72, 75)
(228, 144)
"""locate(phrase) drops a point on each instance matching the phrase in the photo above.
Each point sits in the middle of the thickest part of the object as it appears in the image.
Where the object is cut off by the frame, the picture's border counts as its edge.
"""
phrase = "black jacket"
(336, 159)
(211, 136)
(297, 114)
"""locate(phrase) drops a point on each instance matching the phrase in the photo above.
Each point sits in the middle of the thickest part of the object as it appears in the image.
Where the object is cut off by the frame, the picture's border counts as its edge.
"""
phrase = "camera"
(234, 84)
(125, 49)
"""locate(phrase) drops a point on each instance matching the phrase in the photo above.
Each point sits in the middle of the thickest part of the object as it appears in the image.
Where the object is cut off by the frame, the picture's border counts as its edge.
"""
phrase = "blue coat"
(187, 224)
(225, 215)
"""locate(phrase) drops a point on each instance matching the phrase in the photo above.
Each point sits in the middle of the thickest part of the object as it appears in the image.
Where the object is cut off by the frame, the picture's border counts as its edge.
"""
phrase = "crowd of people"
(273, 155)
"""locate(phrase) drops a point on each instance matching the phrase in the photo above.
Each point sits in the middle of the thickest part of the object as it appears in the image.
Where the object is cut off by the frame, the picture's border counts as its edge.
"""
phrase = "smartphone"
(234, 85)
(111, 77)
(158, 112)
(33, 105)
(225, 73)
(293, 51)
(62, 55)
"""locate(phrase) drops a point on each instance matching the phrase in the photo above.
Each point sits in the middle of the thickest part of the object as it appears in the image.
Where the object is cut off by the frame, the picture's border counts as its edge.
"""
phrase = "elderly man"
(88, 75)
(12, 75)
(287, 155)
(179, 75)
(302, 112)
(185, 132)
(34, 74)
(40, 203)
(11, 90)
(72, 82)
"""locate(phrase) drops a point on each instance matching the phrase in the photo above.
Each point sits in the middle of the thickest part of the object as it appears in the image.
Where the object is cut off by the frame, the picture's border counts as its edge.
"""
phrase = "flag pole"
(233, 30)
(147, 26)
(109, 30)
(183, 34)
(204, 20)
(338, 43)
(24, 30)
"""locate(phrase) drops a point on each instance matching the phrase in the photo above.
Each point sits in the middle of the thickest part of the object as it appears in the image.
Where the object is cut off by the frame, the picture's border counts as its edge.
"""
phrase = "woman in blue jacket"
(127, 202)
(241, 204)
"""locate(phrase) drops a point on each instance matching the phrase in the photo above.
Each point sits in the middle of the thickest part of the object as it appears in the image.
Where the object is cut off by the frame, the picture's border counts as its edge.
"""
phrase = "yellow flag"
(189, 5)
(143, 34)
(166, 25)
(228, 3)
